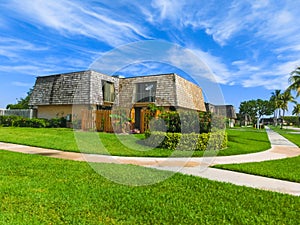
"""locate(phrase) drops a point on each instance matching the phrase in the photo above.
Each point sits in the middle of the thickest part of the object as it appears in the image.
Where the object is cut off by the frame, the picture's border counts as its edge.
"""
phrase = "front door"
(137, 118)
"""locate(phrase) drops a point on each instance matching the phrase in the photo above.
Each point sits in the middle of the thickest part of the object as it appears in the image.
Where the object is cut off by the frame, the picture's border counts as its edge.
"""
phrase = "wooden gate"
(103, 121)
(144, 121)
(96, 120)
(100, 120)
(146, 114)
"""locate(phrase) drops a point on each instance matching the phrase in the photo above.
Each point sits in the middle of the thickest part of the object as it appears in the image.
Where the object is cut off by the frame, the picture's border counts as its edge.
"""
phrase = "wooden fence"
(101, 120)
(143, 121)
(98, 120)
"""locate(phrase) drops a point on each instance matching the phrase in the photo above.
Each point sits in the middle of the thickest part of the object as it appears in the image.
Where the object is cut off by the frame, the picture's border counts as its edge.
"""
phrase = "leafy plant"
(120, 121)
(18, 121)
(192, 141)
(180, 121)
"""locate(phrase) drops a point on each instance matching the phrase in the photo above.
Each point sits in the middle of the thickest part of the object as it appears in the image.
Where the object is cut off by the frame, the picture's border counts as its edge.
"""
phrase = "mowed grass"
(240, 141)
(245, 140)
(41, 190)
(284, 169)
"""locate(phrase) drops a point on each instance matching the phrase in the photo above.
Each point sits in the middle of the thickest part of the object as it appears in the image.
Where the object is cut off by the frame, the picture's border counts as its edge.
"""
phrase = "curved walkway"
(197, 166)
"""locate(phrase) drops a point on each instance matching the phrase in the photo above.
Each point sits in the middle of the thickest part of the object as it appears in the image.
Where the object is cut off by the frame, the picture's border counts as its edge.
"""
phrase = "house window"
(145, 92)
(108, 90)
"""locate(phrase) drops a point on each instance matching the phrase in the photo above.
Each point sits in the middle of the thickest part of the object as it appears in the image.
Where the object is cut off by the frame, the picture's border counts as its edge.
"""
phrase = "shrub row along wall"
(18, 121)
(184, 121)
(201, 142)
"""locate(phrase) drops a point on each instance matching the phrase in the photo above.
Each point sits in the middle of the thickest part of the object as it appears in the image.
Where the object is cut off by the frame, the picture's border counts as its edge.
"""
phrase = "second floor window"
(108, 90)
(145, 92)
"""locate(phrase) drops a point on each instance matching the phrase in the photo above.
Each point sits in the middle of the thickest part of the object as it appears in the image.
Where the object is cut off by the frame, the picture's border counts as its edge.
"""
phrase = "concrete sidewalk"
(281, 148)
(197, 166)
(292, 128)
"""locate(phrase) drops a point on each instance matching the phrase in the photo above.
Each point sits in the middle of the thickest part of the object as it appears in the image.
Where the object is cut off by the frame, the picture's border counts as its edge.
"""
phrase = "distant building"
(227, 111)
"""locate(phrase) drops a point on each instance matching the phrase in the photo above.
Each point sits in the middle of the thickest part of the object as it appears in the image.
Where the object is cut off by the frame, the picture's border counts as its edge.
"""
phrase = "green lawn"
(240, 141)
(41, 190)
(284, 169)
(246, 140)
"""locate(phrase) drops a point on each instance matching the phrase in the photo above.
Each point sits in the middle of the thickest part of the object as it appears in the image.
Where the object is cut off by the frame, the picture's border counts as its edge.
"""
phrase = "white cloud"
(49, 66)
(265, 36)
(245, 66)
(268, 76)
(20, 69)
(12, 47)
(169, 9)
(77, 18)
(225, 20)
(216, 66)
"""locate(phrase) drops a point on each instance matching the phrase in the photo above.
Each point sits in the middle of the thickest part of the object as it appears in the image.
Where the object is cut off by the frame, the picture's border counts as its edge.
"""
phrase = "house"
(227, 111)
(68, 94)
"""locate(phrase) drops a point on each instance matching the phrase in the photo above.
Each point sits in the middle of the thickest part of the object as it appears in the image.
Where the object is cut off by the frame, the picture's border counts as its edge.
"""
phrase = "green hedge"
(201, 142)
(184, 121)
(18, 121)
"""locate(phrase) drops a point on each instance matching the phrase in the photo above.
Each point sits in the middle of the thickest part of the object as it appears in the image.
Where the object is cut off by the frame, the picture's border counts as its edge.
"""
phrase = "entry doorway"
(137, 118)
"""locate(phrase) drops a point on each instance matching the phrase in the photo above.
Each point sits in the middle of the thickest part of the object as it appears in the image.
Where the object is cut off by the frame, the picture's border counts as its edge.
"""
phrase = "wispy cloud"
(273, 31)
(77, 18)
(221, 73)
(268, 76)
(264, 37)
(47, 66)
(14, 47)
(224, 20)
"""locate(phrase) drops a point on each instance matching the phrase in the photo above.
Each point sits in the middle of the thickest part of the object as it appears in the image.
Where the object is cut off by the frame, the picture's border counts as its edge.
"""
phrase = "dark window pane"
(145, 92)
(108, 91)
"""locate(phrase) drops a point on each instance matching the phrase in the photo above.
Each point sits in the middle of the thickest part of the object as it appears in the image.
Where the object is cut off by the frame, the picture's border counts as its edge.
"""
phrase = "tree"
(285, 98)
(247, 110)
(296, 111)
(295, 81)
(275, 100)
(23, 103)
(263, 107)
(256, 109)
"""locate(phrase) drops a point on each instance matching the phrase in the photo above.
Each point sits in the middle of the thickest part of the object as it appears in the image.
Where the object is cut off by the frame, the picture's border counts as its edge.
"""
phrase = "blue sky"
(250, 47)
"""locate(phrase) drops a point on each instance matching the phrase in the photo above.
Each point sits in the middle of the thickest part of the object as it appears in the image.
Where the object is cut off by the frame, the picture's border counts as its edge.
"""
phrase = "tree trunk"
(257, 124)
(282, 118)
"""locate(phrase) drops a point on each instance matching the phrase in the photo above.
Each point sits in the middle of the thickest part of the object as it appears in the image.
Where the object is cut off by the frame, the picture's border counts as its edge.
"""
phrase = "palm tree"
(296, 111)
(295, 81)
(275, 99)
(286, 97)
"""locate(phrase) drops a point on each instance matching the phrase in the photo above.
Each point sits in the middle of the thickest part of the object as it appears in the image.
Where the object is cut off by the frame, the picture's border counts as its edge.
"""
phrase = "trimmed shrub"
(182, 121)
(193, 141)
(18, 121)
(57, 122)
(7, 121)
(25, 122)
